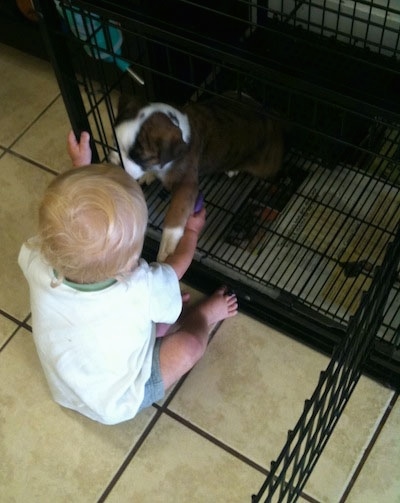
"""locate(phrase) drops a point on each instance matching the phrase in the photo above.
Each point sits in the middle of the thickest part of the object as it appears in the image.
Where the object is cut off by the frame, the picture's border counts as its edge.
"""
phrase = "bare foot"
(219, 306)
(181, 350)
(79, 152)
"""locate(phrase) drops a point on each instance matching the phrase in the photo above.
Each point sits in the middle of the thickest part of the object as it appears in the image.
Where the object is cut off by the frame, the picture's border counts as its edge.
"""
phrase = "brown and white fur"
(179, 145)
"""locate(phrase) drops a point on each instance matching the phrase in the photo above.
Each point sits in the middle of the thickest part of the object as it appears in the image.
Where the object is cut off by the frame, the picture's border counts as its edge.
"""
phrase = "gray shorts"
(154, 387)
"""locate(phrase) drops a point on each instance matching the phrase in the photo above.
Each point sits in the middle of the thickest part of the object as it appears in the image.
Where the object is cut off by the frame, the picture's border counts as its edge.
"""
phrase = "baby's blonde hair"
(92, 222)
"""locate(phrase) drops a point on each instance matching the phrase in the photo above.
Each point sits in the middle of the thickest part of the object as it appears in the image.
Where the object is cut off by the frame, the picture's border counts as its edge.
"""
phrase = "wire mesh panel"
(372, 25)
(312, 240)
(306, 441)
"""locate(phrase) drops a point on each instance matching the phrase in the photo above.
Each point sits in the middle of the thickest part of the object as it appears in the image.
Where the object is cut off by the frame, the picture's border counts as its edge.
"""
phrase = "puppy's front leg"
(183, 198)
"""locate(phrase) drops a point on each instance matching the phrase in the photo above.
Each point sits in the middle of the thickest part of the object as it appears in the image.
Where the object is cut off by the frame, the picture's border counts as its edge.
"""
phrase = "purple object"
(198, 205)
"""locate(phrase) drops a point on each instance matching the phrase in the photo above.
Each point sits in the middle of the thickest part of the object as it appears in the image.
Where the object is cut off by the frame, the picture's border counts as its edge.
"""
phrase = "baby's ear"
(129, 106)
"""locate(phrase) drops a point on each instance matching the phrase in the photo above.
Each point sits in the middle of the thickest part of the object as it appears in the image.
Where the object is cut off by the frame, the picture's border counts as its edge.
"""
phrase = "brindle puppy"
(179, 145)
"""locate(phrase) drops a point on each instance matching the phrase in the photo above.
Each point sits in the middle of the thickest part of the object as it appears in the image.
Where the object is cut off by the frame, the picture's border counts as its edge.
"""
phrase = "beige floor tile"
(250, 387)
(52, 129)
(349, 440)
(21, 186)
(49, 453)
(379, 480)
(7, 327)
(249, 390)
(175, 465)
(28, 85)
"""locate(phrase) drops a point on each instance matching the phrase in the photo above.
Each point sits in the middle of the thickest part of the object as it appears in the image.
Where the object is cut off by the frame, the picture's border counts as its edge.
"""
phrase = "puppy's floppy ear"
(172, 149)
(128, 107)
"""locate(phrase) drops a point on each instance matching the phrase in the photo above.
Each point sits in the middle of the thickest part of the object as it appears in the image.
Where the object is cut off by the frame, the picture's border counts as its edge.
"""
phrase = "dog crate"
(314, 253)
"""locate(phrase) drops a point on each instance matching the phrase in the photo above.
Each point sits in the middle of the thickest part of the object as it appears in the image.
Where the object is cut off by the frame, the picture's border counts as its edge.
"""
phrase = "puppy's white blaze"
(169, 241)
(123, 134)
(178, 118)
(127, 132)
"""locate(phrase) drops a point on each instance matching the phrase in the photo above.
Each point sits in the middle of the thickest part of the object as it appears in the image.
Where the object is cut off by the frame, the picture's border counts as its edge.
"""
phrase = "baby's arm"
(182, 257)
(79, 152)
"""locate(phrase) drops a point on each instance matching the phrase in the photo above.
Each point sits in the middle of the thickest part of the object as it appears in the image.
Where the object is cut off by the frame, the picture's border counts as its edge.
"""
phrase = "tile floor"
(213, 438)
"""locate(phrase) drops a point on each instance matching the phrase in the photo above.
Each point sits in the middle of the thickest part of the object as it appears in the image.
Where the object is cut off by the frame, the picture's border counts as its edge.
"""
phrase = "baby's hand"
(196, 221)
(79, 152)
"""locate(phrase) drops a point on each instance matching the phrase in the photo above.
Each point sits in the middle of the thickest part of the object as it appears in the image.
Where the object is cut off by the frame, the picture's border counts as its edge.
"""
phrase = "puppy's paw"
(147, 179)
(169, 241)
(113, 158)
(231, 173)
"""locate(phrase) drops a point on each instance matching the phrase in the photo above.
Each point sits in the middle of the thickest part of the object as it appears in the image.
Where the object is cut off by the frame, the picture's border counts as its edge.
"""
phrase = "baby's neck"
(86, 287)
(89, 287)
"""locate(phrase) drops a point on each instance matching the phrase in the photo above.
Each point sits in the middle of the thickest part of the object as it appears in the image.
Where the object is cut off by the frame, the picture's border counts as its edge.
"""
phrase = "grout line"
(31, 161)
(226, 448)
(369, 448)
(34, 121)
(23, 323)
(130, 456)
(309, 498)
(20, 324)
(159, 411)
(171, 395)
(180, 382)
(9, 339)
(215, 441)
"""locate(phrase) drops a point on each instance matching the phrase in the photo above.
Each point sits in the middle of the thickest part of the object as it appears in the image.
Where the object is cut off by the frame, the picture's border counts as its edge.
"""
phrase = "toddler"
(101, 315)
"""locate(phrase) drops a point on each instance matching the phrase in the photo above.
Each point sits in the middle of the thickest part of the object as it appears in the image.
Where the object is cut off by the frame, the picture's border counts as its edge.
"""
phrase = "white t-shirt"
(96, 347)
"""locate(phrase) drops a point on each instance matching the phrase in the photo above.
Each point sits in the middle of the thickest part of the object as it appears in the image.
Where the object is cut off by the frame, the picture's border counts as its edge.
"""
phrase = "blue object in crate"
(87, 27)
